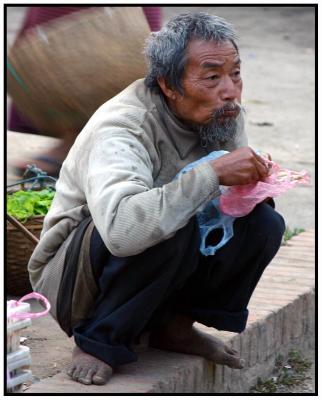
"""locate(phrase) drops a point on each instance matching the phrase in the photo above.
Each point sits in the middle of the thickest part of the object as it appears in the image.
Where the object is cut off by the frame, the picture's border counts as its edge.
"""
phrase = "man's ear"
(170, 93)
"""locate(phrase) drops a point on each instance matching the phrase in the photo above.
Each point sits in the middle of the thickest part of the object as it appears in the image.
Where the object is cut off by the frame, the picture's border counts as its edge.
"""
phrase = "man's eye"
(236, 74)
(212, 77)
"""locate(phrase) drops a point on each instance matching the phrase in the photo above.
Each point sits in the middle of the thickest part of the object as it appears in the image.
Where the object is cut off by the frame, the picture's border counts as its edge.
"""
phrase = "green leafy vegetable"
(25, 204)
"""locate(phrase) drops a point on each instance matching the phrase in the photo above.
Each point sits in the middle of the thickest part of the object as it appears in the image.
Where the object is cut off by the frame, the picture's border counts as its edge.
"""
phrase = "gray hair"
(165, 50)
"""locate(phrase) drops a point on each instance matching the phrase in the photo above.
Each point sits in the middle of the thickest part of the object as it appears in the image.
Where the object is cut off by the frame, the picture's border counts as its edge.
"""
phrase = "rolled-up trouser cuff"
(221, 319)
(113, 355)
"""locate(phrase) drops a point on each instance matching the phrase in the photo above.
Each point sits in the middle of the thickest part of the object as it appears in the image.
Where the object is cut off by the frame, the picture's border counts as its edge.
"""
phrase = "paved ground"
(277, 49)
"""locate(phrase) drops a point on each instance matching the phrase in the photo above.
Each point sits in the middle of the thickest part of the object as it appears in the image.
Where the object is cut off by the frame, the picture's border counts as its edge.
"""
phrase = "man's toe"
(86, 376)
(233, 361)
(231, 351)
(102, 376)
(70, 371)
(99, 380)
(76, 373)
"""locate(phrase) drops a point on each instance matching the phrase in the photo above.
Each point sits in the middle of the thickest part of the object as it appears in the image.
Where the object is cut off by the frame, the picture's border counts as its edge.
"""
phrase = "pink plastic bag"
(240, 200)
(21, 315)
(16, 315)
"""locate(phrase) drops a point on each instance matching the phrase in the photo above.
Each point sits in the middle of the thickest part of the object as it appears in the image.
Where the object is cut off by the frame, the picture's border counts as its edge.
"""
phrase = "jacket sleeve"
(129, 213)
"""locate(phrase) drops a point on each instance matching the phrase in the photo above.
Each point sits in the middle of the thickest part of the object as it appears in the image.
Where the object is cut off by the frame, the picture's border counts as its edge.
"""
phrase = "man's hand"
(240, 167)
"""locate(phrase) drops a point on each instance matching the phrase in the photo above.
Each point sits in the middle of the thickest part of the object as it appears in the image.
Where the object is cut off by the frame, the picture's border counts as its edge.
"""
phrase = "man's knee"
(182, 249)
(267, 224)
(186, 237)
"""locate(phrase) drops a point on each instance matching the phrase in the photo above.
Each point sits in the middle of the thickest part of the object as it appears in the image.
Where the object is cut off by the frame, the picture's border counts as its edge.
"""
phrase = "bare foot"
(88, 369)
(182, 337)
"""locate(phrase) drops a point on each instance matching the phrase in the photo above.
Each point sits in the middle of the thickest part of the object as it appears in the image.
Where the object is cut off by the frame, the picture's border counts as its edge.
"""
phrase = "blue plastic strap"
(211, 218)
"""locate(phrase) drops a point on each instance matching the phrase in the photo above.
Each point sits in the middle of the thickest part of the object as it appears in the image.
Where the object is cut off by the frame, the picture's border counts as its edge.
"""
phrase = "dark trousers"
(142, 292)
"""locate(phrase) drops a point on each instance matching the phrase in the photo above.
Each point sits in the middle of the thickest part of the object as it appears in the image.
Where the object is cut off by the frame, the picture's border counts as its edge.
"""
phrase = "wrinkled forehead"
(201, 51)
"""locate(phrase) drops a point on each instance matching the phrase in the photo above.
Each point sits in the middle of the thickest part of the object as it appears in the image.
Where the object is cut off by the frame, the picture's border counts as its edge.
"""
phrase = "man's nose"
(228, 90)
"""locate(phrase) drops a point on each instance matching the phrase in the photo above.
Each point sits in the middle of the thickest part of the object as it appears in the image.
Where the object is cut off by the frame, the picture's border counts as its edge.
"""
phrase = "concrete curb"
(282, 312)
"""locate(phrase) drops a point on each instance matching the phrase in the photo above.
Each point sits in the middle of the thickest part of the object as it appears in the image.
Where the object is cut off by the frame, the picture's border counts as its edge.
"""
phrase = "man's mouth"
(228, 111)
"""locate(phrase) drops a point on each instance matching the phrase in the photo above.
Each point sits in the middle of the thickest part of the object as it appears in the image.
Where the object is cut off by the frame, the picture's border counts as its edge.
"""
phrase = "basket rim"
(32, 217)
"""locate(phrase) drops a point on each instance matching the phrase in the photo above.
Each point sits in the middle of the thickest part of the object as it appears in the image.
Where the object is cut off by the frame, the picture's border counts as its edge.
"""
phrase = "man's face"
(212, 87)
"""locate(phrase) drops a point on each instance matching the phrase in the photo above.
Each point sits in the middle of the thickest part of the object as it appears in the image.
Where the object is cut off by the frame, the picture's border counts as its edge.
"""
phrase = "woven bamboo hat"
(61, 72)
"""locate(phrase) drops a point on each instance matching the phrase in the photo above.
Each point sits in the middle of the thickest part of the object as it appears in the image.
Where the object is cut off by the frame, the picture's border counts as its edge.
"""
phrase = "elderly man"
(119, 253)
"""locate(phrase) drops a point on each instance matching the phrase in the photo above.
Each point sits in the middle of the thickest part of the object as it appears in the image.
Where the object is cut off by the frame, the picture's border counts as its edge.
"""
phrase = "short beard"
(219, 129)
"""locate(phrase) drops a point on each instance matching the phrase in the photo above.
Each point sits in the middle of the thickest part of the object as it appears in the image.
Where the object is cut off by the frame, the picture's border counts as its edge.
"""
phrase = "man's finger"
(260, 159)
(262, 168)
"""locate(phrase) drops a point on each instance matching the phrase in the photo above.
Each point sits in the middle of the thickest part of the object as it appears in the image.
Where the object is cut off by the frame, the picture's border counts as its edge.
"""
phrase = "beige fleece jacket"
(121, 169)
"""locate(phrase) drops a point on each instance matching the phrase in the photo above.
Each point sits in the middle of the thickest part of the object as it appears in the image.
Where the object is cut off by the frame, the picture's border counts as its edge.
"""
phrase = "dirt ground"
(277, 46)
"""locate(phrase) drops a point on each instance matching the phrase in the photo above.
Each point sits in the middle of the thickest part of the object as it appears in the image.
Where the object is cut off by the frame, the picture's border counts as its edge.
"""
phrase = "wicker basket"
(58, 75)
(19, 250)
